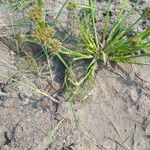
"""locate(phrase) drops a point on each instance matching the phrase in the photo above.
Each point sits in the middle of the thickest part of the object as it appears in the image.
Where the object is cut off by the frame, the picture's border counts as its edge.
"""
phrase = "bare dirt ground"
(115, 116)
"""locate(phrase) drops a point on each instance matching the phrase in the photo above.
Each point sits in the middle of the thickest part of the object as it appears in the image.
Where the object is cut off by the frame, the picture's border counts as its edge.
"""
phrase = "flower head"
(146, 12)
(136, 41)
(35, 14)
(72, 6)
(54, 45)
(43, 34)
(72, 78)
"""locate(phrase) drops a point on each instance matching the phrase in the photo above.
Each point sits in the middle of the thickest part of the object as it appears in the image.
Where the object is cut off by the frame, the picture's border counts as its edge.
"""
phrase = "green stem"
(58, 14)
(63, 61)
(106, 22)
(40, 2)
(93, 24)
(41, 23)
(48, 60)
(70, 100)
(88, 72)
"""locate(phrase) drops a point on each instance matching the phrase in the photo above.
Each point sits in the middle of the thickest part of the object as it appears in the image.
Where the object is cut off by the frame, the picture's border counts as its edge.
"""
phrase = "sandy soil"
(115, 116)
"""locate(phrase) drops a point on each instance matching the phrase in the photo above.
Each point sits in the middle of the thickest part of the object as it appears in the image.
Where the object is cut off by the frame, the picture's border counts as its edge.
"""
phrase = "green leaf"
(145, 34)
(74, 54)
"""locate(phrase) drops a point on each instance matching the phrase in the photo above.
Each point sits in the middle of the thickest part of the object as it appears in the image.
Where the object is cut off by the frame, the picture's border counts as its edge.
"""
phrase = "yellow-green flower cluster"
(136, 41)
(72, 78)
(146, 12)
(72, 6)
(54, 45)
(42, 34)
(35, 14)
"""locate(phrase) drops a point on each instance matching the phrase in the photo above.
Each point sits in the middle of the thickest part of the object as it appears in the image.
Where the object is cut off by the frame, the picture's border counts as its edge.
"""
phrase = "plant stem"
(40, 2)
(70, 100)
(62, 60)
(93, 24)
(42, 6)
(58, 14)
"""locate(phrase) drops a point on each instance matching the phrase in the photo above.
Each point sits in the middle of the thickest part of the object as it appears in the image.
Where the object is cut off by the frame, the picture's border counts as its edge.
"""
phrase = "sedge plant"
(113, 45)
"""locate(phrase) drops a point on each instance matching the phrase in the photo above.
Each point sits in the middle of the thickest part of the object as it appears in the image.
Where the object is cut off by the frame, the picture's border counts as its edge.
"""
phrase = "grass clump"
(97, 49)
(113, 45)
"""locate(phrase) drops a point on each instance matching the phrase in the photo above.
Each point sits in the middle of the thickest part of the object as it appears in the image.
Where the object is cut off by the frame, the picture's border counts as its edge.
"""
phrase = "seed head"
(35, 14)
(54, 45)
(136, 41)
(146, 12)
(72, 6)
(43, 34)
(22, 36)
(72, 78)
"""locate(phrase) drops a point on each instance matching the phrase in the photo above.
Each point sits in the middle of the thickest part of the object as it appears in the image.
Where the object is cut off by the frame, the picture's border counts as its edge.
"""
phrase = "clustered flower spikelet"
(146, 12)
(72, 6)
(35, 14)
(54, 45)
(72, 78)
(136, 41)
(43, 34)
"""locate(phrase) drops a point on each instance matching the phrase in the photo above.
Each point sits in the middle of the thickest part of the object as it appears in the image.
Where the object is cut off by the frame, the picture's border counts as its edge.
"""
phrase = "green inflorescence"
(43, 34)
(72, 6)
(146, 12)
